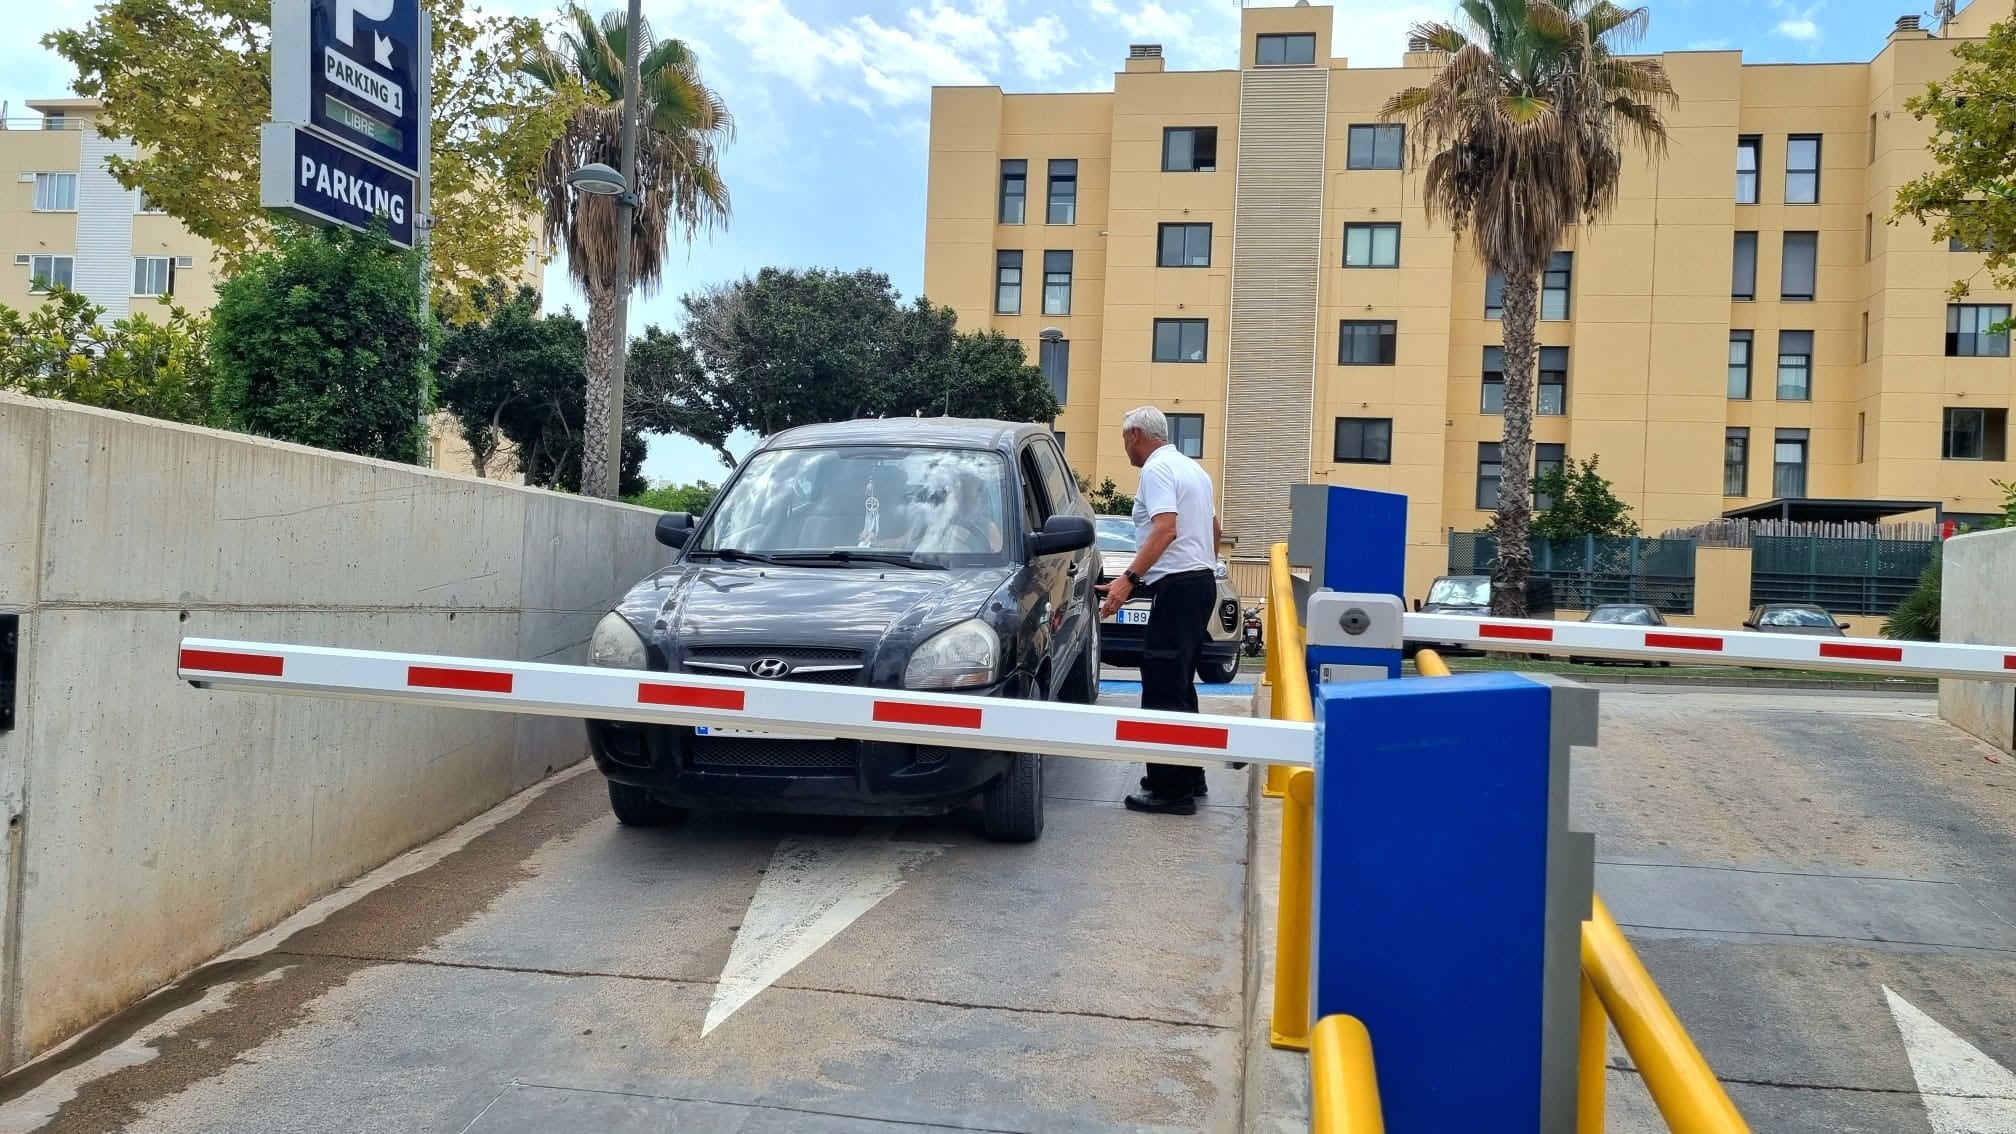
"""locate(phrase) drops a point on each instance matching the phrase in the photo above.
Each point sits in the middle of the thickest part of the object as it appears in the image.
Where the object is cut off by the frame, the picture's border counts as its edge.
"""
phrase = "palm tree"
(681, 126)
(1521, 135)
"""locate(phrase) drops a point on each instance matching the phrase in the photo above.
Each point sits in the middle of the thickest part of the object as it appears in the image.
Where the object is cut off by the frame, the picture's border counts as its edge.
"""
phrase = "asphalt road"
(556, 973)
(1810, 878)
(1780, 861)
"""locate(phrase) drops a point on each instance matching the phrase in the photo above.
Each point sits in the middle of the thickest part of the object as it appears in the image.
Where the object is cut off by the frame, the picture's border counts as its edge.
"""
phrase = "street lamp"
(600, 180)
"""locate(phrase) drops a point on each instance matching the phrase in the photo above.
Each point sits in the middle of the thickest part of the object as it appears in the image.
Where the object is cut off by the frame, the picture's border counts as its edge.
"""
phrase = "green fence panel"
(1847, 576)
(1593, 570)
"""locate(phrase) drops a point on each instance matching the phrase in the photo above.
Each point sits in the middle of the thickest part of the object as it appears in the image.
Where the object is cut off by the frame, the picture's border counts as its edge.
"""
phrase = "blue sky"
(832, 100)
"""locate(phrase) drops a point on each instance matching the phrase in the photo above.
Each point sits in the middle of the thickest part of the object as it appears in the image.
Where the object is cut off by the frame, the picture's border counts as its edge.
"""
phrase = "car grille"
(753, 753)
(714, 660)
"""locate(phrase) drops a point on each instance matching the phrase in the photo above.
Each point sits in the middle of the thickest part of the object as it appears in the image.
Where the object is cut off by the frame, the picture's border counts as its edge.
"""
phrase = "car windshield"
(1627, 615)
(1795, 616)
(1461, 592)
(1116, 534)
(937, 507)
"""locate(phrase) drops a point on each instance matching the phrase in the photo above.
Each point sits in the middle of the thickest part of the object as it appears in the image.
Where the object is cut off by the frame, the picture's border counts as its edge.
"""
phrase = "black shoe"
(1156, 803)
(1202, 787)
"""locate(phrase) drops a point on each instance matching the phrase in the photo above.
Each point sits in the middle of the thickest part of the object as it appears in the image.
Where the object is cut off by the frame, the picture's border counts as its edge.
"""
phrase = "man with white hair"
(1177, 536)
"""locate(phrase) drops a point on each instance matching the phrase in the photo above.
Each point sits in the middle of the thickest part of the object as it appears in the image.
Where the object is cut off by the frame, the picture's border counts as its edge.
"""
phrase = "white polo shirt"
(1172, 482)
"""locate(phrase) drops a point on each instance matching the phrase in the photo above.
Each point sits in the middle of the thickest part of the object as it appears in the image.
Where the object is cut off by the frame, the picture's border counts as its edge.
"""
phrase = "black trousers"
(1178, 621)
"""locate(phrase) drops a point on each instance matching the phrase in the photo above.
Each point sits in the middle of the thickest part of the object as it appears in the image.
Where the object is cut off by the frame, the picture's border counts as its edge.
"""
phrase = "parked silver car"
(1121, 635)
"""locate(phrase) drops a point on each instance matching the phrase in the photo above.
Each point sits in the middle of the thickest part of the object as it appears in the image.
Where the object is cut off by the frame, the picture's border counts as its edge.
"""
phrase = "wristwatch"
(1134, 578)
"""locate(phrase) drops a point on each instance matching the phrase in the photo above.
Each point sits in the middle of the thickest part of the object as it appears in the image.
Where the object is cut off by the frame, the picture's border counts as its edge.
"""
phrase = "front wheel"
(1218, 673)
(1012, 809)
(1081, 685)
(634, 807)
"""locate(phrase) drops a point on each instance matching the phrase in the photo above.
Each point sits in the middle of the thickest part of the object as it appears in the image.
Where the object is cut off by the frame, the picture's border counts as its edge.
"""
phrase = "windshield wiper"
(731, 555)
(847, 555)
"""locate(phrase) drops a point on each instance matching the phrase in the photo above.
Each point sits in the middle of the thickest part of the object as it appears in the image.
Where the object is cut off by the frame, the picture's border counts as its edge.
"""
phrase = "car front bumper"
(820, 776)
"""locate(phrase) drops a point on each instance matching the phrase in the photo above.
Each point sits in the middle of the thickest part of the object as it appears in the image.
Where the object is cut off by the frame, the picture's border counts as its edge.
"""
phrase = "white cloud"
(1036, 48)
(1709, 45)
(1798, 23)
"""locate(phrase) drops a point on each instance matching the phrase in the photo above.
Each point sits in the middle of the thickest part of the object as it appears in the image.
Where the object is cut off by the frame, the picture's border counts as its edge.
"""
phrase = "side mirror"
(1749, 626)
(1841, 625)
(1417, 606)
(675, 528)
(1059, 535)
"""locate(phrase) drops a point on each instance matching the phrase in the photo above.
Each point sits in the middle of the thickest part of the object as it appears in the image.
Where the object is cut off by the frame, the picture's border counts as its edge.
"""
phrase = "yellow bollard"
(1592, 1062)
(1428, 663)
(1343, 1081)
(1290, 1027)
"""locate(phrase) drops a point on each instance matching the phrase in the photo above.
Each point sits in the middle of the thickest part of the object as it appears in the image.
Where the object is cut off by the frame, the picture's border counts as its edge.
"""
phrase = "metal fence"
(1846, 576)
(1593, 570)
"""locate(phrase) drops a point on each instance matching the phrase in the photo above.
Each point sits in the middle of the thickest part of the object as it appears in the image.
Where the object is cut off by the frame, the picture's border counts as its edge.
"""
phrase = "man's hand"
(1116, 594)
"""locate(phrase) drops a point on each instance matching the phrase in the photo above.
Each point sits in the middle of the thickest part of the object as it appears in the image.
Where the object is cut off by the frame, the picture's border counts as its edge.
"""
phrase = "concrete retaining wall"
(151, 825)
(1977, 603)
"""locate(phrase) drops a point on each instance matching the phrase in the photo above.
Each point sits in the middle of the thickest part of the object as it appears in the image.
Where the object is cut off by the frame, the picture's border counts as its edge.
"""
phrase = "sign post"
(349, 137)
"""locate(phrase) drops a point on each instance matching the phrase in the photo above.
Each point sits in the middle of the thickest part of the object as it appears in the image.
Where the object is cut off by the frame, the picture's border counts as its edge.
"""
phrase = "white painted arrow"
(815, 887)
(1964, 1091)
(383, 52)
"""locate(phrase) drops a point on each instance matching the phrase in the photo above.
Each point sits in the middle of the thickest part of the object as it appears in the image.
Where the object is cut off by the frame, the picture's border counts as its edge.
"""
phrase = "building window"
(1554, 285)
(1007, 283)
(1802, 169)
(1014, 191)
(1366, 342)
(1179, 340)
(1063, 191)
(1184, 246)
(1739, 364)
(1494, 296)
(55, 192)
(1187, 431)
(1553, 381)
(1977, 434)
(1801, 265)
(153, 275)
(1296, 50)
(1861, 437)
(1749, 152)
(1736, 463)
(1971, 333)
(1493, 400)
(1372, 245)
(1546, 459)
(1795, 366)
(45, 272)
(1190, 149)
(149, 206)
(1743, 277)
(1057, 283)
(1053, 357)
(1788, 464)
(1868, 237)
(1364, 441)
(1872, 141)
(1374, 147)
(54, 120)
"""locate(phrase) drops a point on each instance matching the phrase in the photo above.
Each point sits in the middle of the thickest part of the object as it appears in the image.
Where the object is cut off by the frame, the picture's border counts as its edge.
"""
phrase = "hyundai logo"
(769, 668)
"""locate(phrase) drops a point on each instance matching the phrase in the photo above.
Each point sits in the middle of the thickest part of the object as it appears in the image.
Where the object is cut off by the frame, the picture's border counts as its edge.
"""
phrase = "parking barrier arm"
(649, 697)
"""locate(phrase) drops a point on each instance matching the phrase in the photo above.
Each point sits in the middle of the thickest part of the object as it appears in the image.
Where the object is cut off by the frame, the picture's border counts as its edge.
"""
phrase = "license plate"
(1132, 617)
(753, 733)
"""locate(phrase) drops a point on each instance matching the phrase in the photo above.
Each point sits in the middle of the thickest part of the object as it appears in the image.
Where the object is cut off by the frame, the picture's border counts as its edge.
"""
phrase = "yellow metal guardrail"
(1342, 1080)
(1616, 989)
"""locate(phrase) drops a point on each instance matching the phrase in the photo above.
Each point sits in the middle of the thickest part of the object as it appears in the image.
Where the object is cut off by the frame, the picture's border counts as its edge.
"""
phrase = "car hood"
(841, 607)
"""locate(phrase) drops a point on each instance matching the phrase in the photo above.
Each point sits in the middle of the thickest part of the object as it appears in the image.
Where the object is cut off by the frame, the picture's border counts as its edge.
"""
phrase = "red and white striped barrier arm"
(1688, 646)
(648, 697)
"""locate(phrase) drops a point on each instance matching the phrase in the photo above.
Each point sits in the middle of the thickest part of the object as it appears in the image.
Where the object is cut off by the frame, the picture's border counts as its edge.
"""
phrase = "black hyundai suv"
(939, 554)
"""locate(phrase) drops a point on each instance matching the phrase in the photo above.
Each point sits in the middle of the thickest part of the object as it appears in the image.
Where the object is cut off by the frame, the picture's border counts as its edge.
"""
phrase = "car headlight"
(961, 657)
(1222, 570)
(616, 644)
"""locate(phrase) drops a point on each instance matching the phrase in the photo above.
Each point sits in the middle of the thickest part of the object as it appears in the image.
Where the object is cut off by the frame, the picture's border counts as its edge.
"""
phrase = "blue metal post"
(1359, 547)
(1449, 894)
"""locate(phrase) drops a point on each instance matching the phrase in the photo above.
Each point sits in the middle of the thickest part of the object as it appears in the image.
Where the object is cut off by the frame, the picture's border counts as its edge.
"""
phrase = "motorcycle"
(1252, 631)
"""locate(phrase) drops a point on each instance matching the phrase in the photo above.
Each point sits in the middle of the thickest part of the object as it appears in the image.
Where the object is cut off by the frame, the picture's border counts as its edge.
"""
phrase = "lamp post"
(621, 184)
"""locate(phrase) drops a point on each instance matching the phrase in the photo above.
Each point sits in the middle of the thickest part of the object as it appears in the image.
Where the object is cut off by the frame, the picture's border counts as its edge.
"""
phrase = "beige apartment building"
(70, 222)
(1248, 250)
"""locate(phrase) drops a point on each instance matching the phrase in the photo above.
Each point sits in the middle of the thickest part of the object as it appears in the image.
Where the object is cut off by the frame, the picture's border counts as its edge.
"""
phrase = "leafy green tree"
(188, 81)
(692, 498)
(321, 342)
(1916, 619)
(513, 378)
(1107, 499)
(1968, 197)
(1580, 504)
(1520, 135)
(787, 347)
(63, 349)
(681, 125)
